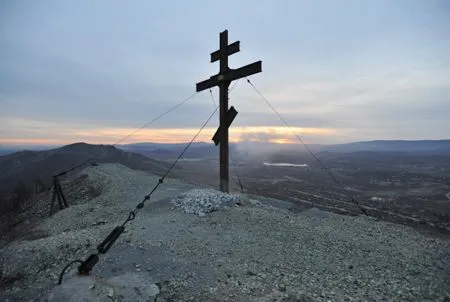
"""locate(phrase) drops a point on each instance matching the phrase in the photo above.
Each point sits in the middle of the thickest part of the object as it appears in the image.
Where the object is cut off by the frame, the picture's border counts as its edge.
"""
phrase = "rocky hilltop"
(37, 167)
(196, 244)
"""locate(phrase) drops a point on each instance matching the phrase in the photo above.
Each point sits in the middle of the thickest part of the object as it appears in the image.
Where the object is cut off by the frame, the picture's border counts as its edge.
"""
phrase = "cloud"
(365, 71)
(44, 131)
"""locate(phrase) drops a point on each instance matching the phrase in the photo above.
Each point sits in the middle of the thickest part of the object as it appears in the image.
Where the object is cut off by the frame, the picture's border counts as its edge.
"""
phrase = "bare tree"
(39, 186)
(21, 193)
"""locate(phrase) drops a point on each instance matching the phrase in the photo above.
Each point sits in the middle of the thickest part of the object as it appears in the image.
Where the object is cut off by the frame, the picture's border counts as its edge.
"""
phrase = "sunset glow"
(277, 135)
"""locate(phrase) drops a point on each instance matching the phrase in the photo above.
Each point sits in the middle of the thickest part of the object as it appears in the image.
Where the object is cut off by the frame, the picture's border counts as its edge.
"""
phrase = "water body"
(284, 165)
(191, 159)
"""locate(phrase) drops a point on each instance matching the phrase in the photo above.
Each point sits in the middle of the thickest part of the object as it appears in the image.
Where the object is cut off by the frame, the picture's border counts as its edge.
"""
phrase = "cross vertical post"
(223, 99)
(223, 79)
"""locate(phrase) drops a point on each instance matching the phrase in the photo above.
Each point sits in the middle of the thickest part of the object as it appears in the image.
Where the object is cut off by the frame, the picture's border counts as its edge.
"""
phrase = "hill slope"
(30, 167)
(249, 249)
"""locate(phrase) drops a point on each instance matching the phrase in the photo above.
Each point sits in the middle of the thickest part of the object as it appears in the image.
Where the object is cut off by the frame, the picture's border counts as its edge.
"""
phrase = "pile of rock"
(201, 201)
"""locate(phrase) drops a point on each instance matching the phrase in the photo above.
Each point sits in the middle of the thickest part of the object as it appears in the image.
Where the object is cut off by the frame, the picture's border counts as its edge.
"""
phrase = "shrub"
(21, 194)
(16, 202)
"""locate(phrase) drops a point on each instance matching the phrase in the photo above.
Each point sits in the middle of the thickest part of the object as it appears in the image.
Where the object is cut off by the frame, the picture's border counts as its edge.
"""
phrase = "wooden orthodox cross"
(223, 79)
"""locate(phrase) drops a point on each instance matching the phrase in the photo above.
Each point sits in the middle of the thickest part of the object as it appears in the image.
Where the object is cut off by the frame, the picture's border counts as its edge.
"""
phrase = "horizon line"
(21, 145)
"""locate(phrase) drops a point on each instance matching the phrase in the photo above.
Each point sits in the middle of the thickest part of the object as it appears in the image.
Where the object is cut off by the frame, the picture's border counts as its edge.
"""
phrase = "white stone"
(75, 289)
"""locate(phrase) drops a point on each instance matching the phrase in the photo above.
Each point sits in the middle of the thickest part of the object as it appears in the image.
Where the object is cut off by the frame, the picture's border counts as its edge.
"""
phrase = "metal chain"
(87, 265)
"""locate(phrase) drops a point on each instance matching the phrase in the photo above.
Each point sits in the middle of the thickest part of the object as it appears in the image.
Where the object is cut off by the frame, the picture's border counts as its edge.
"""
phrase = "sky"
(337, 71)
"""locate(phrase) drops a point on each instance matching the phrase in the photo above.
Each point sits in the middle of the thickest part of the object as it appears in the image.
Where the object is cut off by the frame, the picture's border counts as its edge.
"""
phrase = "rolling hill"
(30, 167)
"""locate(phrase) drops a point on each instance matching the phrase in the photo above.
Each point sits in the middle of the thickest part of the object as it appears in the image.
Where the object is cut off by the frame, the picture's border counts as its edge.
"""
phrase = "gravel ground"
(228, 248)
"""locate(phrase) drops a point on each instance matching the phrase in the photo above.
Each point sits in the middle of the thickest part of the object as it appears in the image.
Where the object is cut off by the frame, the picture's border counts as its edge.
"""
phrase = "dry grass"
(8, 281)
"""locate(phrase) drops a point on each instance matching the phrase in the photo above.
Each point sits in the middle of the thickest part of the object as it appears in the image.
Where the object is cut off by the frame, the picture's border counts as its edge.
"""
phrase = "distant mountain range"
(422, 146)
(171, 151)
(8, 149)
(209, 150)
